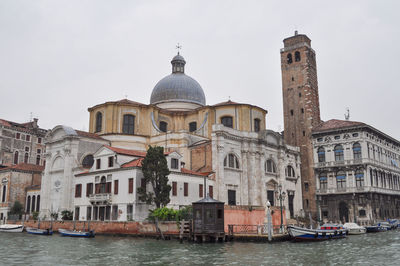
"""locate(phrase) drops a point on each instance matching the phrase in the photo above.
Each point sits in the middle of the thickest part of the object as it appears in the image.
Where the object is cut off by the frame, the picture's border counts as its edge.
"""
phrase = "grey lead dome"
(178, 87)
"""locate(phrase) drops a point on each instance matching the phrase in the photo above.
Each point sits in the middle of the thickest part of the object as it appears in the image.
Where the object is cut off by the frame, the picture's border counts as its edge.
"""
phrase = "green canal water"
(25, 249)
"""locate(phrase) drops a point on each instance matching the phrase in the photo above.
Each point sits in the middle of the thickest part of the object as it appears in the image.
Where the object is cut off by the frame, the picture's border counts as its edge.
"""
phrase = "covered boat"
(375, 229)
(325, 232)
(354, 229)
(74, 233)
(11, 228)
(36, 231)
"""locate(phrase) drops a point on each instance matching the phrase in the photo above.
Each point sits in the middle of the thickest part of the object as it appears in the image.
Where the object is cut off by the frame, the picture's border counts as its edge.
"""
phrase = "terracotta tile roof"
(5, 123)
(229, 102)
(336, 124)
(129, 102)
(127, 152)
(123, 101)
(187, 171)
(25, 167)
(134, 163)
(88, 134)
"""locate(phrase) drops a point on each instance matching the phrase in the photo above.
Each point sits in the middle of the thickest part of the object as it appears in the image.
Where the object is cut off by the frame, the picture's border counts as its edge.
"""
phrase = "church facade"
(229, 139)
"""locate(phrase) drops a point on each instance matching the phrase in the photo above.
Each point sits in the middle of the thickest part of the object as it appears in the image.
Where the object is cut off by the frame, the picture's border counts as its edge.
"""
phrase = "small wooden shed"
(208, 220)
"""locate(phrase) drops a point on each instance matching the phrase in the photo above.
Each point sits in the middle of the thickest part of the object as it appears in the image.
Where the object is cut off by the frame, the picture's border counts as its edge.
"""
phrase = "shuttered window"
(211, 191)
(116, 187)
(174, 189)
(201, 190)
(185, 189)
(130, 186)
(78, 190)
(89, 189)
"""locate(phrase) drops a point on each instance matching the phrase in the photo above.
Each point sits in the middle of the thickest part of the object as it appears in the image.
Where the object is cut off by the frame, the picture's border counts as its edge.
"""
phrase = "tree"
(155, 171)
(17, 208)
(67, 215)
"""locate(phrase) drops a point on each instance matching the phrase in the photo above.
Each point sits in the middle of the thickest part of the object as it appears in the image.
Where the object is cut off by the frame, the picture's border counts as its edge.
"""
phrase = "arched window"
(103, 183)
(163, 126)
(192, 126)
(323, 181)
(231, 161)
(99, 121)
(257, 125)
(38, 203)
(289, 59)
(321, 154)
(371, 177)
(359, 178)
(290, 172)
(341, 179)
(3, 196)
(26, 157)
(270, 166)
(28, 205)
(339, 155)
(128, 125)
(297, 57)
(227, 121)
(33, 203)
(357, 150)
(16, 155)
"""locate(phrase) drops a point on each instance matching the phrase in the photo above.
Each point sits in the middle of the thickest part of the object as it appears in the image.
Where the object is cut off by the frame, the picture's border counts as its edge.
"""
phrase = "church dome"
(178, 88)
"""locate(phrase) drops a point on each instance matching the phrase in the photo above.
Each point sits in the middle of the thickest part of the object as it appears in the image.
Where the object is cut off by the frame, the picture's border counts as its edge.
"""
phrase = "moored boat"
(36, 231)
(325, 232)
(74, 233)
(11, 228)
(354, 229)
(385, 225)
(375, 229)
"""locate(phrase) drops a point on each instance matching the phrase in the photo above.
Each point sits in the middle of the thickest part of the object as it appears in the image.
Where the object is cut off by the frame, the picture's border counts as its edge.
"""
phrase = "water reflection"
(369, 249)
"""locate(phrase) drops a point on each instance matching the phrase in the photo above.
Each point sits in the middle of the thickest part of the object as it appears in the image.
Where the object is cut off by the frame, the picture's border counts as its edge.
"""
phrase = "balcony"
(101, 197)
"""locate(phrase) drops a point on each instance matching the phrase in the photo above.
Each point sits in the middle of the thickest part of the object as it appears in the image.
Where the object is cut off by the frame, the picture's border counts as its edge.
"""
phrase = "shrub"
(17, 208)
(35, 215)
(169, 214)
(54, 215)
(67, 215)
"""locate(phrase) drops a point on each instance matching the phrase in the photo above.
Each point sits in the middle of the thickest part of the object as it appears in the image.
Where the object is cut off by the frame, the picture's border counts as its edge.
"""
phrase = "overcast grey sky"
(57, 58)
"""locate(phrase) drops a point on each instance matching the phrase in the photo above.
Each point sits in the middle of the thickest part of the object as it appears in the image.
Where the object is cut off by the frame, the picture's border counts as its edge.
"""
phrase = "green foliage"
(67, 215)
(54, 215)
(17, 208)
(155, 171)
(35, 215)
(169, 214)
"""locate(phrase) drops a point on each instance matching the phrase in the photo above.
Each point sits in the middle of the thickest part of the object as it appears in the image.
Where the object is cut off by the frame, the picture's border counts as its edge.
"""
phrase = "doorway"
(343, 212)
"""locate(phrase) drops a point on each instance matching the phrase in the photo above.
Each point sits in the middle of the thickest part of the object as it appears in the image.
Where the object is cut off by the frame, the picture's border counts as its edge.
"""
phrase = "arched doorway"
(343, 212)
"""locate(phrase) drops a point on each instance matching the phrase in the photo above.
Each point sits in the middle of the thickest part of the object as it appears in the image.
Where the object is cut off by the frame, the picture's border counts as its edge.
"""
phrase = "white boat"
(355, 229)
(11, 228)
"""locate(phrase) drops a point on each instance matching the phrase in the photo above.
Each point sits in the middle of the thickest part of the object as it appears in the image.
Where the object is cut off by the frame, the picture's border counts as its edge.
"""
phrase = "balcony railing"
(333, 190)
(104, 197)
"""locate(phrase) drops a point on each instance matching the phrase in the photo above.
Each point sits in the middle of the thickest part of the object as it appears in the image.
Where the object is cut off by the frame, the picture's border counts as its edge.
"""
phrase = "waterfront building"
(301, 110)
(15, 181)
(228, 139)
(68, 152)
(357, 172)
(21, 143)
(108, 190)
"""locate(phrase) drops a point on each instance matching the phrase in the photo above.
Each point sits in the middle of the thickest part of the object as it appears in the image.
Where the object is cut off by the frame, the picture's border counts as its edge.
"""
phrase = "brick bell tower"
(301, 107)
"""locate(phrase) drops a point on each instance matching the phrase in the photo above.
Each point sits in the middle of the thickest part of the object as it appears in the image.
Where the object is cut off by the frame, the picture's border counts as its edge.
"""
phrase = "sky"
(58, 58)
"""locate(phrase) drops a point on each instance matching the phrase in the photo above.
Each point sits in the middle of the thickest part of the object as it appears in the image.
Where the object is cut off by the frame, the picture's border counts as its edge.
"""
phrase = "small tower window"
(192, 126)
(297, 57)
(99, 119)
(227, 121)
(163, 126)
(257, 125)
(291, 112)
(289, 59)
(302, 110)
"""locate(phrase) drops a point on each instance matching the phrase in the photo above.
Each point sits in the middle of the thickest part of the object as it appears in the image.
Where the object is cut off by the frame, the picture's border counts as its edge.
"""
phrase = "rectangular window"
(114, 213)
(116, 187)
(211, 191)
(174, 189)
(231, 197)
(270, 197)
(174, 163)
(111, 161)
(185, 189)
(108, 212)
(108, 187)
(256, 125)
(28, 138)
(201, 190)
(95, 213)
(38, 151)
(39, 140)
(98, 164)
(89, 189)
(129, 212)
(130, 186)
(192, 126)
(143, 184)
(227, 121)
(18, 135)
(306, 187)
(77, 213)
(89, 213)
(78, 190)
(26, 148)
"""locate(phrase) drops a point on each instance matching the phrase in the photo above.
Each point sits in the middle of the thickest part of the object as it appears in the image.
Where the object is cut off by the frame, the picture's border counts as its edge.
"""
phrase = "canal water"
(369, 249)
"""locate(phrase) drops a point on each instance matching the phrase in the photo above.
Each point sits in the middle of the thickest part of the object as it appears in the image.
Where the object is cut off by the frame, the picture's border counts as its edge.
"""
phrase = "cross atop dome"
(178, 47)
